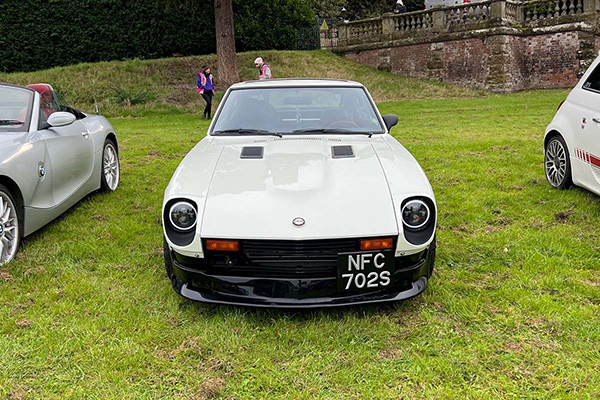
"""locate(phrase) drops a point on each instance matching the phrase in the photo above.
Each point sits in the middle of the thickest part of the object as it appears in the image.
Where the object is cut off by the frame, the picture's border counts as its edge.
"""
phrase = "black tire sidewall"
(567, 180)
(432, 253)
(167, 255)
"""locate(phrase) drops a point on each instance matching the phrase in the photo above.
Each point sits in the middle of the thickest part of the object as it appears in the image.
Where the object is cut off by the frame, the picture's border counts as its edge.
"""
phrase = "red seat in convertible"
(47, 97)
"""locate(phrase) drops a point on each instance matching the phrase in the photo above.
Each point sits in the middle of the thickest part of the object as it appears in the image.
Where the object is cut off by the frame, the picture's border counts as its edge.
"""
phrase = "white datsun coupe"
(572, 141)
(299, 197)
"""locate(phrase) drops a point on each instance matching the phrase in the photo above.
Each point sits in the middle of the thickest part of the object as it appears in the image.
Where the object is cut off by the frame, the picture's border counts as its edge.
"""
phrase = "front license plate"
(365, 271)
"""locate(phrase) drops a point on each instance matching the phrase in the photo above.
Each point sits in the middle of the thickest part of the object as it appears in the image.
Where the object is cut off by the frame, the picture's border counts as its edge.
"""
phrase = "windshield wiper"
(242, 131)
(11, 122)
(327, 130)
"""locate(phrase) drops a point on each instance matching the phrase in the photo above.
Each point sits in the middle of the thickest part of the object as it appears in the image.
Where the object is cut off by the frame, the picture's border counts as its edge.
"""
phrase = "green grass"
(512, 310)
(170, 83)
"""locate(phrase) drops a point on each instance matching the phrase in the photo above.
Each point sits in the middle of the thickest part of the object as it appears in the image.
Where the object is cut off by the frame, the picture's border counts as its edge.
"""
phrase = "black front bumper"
(195, 280)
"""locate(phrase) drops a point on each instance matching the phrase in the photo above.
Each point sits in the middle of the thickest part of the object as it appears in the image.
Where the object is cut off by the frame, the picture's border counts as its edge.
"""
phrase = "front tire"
(111, 168)
(10, 235)
(432, 252)
(175, 282)
(557, 163)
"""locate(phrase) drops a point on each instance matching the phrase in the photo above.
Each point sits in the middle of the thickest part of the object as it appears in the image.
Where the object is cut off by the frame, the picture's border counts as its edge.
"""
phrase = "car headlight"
(183, 216)
(415, 214)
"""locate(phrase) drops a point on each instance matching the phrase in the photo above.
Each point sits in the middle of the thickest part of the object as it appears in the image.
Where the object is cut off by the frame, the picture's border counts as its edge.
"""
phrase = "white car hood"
(297, 177)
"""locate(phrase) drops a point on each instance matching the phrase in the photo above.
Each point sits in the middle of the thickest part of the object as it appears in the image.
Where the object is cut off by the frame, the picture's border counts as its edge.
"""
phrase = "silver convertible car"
(51, 156)
(299, 197)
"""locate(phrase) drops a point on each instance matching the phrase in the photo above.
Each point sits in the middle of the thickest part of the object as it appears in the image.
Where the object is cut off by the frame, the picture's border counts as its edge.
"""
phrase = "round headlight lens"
(415, 214)
(183, 216)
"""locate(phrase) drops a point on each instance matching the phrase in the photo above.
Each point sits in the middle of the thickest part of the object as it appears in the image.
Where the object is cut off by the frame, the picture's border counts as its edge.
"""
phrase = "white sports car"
(572, 140)
(299, 197)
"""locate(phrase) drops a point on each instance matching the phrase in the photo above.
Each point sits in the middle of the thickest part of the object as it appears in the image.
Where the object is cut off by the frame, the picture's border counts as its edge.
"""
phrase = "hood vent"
(252, 152)
(342, 152)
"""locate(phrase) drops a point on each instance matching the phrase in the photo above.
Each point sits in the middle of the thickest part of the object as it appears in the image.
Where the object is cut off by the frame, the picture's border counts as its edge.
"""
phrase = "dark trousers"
(207, 95)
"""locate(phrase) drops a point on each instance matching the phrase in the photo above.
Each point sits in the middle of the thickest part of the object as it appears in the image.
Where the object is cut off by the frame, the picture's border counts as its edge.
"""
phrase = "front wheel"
(111, 169)
(9, 227)
(432, 251)
(557, 163)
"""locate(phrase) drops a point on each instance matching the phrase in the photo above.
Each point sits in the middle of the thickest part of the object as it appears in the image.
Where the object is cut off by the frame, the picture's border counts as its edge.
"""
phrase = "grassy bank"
(136, 86)
(511, 312)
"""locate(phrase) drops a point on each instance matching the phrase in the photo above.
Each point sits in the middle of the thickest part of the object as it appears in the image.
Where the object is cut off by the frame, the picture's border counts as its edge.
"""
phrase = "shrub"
(38, 35)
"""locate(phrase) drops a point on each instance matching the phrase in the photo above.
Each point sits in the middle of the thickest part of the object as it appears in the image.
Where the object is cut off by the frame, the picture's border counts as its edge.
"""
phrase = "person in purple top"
(206, 88)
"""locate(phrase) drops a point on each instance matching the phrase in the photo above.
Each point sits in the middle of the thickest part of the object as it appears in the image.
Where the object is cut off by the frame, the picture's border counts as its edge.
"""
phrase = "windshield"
(15, 108)
(297, 110)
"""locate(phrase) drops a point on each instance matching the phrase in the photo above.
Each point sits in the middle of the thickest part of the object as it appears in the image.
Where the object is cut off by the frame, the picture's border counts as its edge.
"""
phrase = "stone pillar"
(435, 64)
(498, 12)
(591, 6)
(439, 20)
(499, 77)
(342, 34)
(587, 51)
(389, 26)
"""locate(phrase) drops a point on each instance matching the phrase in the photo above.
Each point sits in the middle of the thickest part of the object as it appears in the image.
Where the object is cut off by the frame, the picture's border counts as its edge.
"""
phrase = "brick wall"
(412, 60)
(368, 57)
(551, 60)
(466, 62)
(500, 63)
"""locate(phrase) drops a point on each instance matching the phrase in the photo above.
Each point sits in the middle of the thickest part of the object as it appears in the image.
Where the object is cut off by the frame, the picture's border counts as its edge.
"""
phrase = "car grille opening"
(283, 258)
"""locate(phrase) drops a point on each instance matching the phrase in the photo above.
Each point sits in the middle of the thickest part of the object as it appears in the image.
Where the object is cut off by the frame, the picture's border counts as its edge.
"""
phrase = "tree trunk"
(227, 71)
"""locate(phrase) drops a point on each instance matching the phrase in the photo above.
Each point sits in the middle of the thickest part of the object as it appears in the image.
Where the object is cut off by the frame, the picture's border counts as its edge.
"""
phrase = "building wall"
(551, 60)
(500, 63)
(466, 62)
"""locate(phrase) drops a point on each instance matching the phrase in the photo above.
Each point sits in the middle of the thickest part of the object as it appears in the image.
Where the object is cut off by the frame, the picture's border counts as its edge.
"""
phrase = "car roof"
(296, 82)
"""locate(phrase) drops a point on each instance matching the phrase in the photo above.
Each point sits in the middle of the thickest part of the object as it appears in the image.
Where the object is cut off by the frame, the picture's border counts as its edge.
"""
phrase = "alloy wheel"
(9, 229)
(111, 166)
(556, 163)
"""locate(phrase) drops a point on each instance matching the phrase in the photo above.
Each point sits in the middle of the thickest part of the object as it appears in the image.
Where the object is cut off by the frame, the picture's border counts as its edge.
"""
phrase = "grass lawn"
(142, 86)
(512, 310)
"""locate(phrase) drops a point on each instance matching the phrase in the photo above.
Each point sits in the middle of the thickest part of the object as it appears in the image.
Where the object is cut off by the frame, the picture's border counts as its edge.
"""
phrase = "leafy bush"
(359, 9)
(37, 35)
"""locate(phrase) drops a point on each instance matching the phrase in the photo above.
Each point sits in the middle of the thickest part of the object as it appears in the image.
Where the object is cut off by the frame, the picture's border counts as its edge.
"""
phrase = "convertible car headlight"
(182, 216)
(415, 214)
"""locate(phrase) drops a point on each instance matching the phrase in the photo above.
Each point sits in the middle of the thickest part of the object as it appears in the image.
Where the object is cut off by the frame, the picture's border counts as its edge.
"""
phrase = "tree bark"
(227, 71)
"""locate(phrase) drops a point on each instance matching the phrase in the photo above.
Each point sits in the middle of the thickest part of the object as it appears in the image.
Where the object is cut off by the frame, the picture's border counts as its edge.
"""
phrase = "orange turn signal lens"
(376, 244)
(222, 245)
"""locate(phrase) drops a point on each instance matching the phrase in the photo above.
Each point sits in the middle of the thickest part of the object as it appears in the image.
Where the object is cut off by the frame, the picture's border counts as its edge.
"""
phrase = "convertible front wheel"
(111, 171)
(9, 227)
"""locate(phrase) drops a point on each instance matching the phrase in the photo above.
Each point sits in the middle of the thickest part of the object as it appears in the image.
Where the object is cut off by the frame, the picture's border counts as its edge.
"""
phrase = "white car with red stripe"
(572, 141)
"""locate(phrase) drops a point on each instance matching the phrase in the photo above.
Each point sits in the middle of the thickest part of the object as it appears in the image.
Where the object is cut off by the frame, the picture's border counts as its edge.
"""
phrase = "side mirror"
(61, 118)
(390, 120)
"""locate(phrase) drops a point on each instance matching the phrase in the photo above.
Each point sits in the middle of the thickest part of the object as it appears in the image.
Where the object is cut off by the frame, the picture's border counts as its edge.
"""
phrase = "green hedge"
(39, 34)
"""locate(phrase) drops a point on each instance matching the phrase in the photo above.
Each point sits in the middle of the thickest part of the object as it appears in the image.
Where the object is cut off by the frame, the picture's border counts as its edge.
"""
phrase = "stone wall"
(499, 45)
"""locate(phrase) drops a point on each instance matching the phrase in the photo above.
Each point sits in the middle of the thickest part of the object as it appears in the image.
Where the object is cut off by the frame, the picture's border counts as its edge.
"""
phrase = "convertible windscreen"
(297, 110)
(15, 108)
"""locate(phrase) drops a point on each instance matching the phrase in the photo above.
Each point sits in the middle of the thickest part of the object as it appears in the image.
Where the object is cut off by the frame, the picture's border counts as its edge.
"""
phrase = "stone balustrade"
(501, 45)
(465, 17)
(537, 9)
(468, 13)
